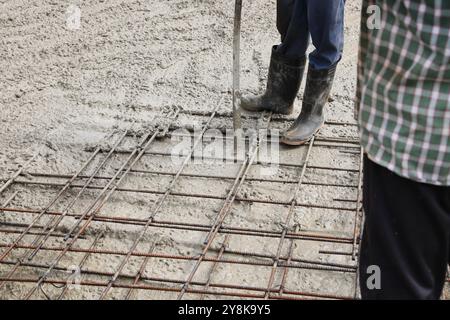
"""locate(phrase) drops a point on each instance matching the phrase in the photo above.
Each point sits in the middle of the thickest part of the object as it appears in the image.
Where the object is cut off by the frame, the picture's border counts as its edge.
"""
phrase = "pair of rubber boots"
(283, 84)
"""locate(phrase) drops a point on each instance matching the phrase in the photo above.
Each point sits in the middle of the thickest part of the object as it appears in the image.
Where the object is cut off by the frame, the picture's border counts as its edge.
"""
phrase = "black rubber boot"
(311, 118)
(283, 83)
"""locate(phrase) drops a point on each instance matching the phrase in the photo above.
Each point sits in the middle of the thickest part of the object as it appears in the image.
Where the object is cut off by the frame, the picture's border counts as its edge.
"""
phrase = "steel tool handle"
(236, 66)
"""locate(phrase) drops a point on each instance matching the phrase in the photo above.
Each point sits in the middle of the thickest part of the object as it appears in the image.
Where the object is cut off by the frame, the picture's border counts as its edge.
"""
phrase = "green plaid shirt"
(403, 91)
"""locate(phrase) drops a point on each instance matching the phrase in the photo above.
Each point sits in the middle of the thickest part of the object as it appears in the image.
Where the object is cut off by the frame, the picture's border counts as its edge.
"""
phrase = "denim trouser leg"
(292, 24)
(323, 19)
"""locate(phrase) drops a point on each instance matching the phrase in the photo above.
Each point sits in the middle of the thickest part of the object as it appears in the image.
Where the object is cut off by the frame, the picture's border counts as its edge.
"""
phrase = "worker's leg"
(326, 25)
(292, 24)
(285, 8)
(287, 62)
(406, 235)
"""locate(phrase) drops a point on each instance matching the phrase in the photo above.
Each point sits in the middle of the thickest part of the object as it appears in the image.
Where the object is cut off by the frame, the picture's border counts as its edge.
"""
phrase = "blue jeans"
(322, 19)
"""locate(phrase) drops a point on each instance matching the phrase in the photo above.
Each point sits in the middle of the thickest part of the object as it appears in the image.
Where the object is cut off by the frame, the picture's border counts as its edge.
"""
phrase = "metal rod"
(321, 141)
(112, 185)
(296, 265)
(289, 259)
(236, 67)
(226, 208)
(288, 218)
(323, 237)
(145, 142)
(36, 219)
(142, 278)
(10, 181)
(83, 261)
(220, 255)
(194, 175)
(278, 118)
(31, 233)
(83, 188)
(49, 230)
(141, 271)
(202, 196)
(281, 164)
(214, 256)
(157, 207)
(288, 294)
(8, 201)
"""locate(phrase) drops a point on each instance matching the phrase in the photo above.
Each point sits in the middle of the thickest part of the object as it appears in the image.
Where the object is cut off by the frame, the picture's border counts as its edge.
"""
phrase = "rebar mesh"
(132, 223)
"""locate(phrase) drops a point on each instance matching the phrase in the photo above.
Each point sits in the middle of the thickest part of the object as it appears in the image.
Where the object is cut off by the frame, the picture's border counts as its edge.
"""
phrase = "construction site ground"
(93, 204)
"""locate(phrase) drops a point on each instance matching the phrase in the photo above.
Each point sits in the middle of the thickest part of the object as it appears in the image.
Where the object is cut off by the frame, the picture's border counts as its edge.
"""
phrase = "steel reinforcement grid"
(122, 225)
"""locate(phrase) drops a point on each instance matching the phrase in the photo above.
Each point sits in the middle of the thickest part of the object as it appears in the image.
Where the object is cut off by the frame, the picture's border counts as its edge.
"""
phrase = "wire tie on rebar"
(43, 291)
(283, 226)
(184, 286)
(41, 279)
(201, 255)
(67, 236)
(297, 225)
(225, 246)
(163, 131)
(276, 288)
(26, 174)
(59, 286)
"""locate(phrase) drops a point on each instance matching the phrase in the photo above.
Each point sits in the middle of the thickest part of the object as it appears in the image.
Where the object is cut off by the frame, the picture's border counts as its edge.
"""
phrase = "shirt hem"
(380, 161)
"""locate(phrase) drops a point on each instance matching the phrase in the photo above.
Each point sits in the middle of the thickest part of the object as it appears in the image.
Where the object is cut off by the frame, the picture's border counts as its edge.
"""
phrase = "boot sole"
(287, 113)
(294, 143)
(299, 142)
(273, 112)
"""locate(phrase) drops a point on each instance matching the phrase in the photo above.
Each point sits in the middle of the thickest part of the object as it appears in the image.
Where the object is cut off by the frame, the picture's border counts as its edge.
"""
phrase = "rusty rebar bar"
(224, 159)
(158, 206)
(278, 118)
(48, 231)
(323, 237)
(141, 271)
(104, 196)
(297, 265)
(237, 68)
(8, 201)
(58, 219)
(61, 192)
(226, 208)
(289, 294)
(83, 261)
(199, 195)
(288, 218)
(221, 255)
(194, 175)
(215, 265)
(289, 260)
(10, 181)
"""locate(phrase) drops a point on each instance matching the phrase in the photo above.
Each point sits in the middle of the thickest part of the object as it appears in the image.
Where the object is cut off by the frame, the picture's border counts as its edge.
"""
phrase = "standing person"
(296, 21)
(403, 99)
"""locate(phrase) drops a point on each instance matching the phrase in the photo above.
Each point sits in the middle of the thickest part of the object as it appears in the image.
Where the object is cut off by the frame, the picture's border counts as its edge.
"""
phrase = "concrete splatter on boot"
(283, 83)
(311, 118)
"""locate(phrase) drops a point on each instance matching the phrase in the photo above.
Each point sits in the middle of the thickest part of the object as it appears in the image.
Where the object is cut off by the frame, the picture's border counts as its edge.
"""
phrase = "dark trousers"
(322, 19)
(406, 234)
